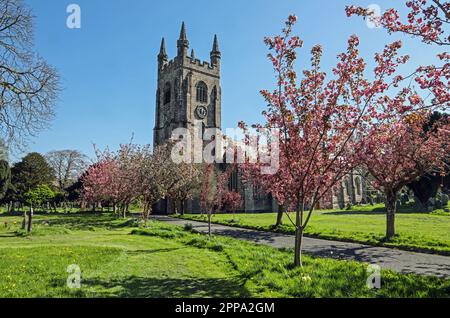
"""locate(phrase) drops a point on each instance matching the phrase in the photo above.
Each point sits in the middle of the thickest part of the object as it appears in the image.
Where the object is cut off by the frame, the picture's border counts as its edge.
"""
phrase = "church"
(188, 90)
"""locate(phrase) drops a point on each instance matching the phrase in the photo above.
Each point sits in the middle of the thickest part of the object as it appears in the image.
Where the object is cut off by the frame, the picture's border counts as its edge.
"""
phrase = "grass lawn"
(118, 258)
(113, 262)
(416, 231)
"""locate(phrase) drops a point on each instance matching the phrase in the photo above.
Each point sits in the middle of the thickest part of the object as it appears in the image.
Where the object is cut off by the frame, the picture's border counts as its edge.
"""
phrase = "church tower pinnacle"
(215, 53)
(183, 43)
(163, 58)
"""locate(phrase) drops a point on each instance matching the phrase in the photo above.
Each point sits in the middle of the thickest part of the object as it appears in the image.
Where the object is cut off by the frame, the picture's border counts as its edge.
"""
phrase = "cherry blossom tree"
(427, 20)
(133, 172)
(155, 176)
(185, 184)
(214, 193)
(99, 182)
(112, 178)
(399, 150)
(129, 161)
(232, 201)
(209, 192)
(322, 120)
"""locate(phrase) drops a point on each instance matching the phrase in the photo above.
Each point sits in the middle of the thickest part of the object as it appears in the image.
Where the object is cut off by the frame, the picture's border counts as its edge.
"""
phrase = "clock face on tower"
(201, 112)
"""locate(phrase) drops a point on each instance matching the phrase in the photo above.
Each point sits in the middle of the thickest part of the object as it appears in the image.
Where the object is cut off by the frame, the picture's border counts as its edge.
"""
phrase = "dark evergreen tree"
(31, 172)
(5, 178)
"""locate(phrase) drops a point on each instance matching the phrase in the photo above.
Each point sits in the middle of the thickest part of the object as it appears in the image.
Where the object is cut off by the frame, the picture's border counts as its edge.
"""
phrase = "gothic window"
(258, 193)
(202, 92)
(358, 186)
(167, 94)
(233, 181)
(348, 185)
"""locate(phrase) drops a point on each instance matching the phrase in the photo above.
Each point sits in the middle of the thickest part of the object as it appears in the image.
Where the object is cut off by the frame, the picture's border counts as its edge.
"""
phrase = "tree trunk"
(391, 207)
(30, 219)
(147, 212)
(280, 216)
(175, 207)
(24, 221)
(298, 247)
(144, 214)
(352, 183)
(209, 223)
(298, 237)
(182, 207)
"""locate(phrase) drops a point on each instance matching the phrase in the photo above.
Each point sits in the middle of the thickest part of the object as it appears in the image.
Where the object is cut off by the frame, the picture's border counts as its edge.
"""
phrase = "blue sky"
(108, 67)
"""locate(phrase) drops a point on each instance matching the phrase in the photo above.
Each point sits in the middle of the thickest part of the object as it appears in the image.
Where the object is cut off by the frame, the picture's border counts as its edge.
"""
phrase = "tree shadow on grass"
(142, 287)
(153, 251)
(408, 208)
(375, 211)
(51, 213)
(86, 222)
(8, 235)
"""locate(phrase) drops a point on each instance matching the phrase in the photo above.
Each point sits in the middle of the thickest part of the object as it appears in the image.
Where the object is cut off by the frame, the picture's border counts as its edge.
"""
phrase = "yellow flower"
(306, 278)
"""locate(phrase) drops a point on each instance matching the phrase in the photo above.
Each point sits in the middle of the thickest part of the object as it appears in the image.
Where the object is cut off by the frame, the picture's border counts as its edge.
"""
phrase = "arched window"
(167, 94)
(358, 186)
(202, 92)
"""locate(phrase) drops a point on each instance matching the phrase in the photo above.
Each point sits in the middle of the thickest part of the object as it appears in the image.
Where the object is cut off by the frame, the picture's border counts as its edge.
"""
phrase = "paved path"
(389, 258)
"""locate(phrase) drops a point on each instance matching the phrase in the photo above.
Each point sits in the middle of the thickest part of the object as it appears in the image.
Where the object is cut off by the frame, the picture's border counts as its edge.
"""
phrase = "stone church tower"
(188, 90)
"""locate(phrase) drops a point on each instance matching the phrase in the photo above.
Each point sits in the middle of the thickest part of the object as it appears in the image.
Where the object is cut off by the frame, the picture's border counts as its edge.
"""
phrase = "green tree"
(40, 195)
(36, 197)
(5, 170)
(31, 172)
(5, 178)
(26, 175)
